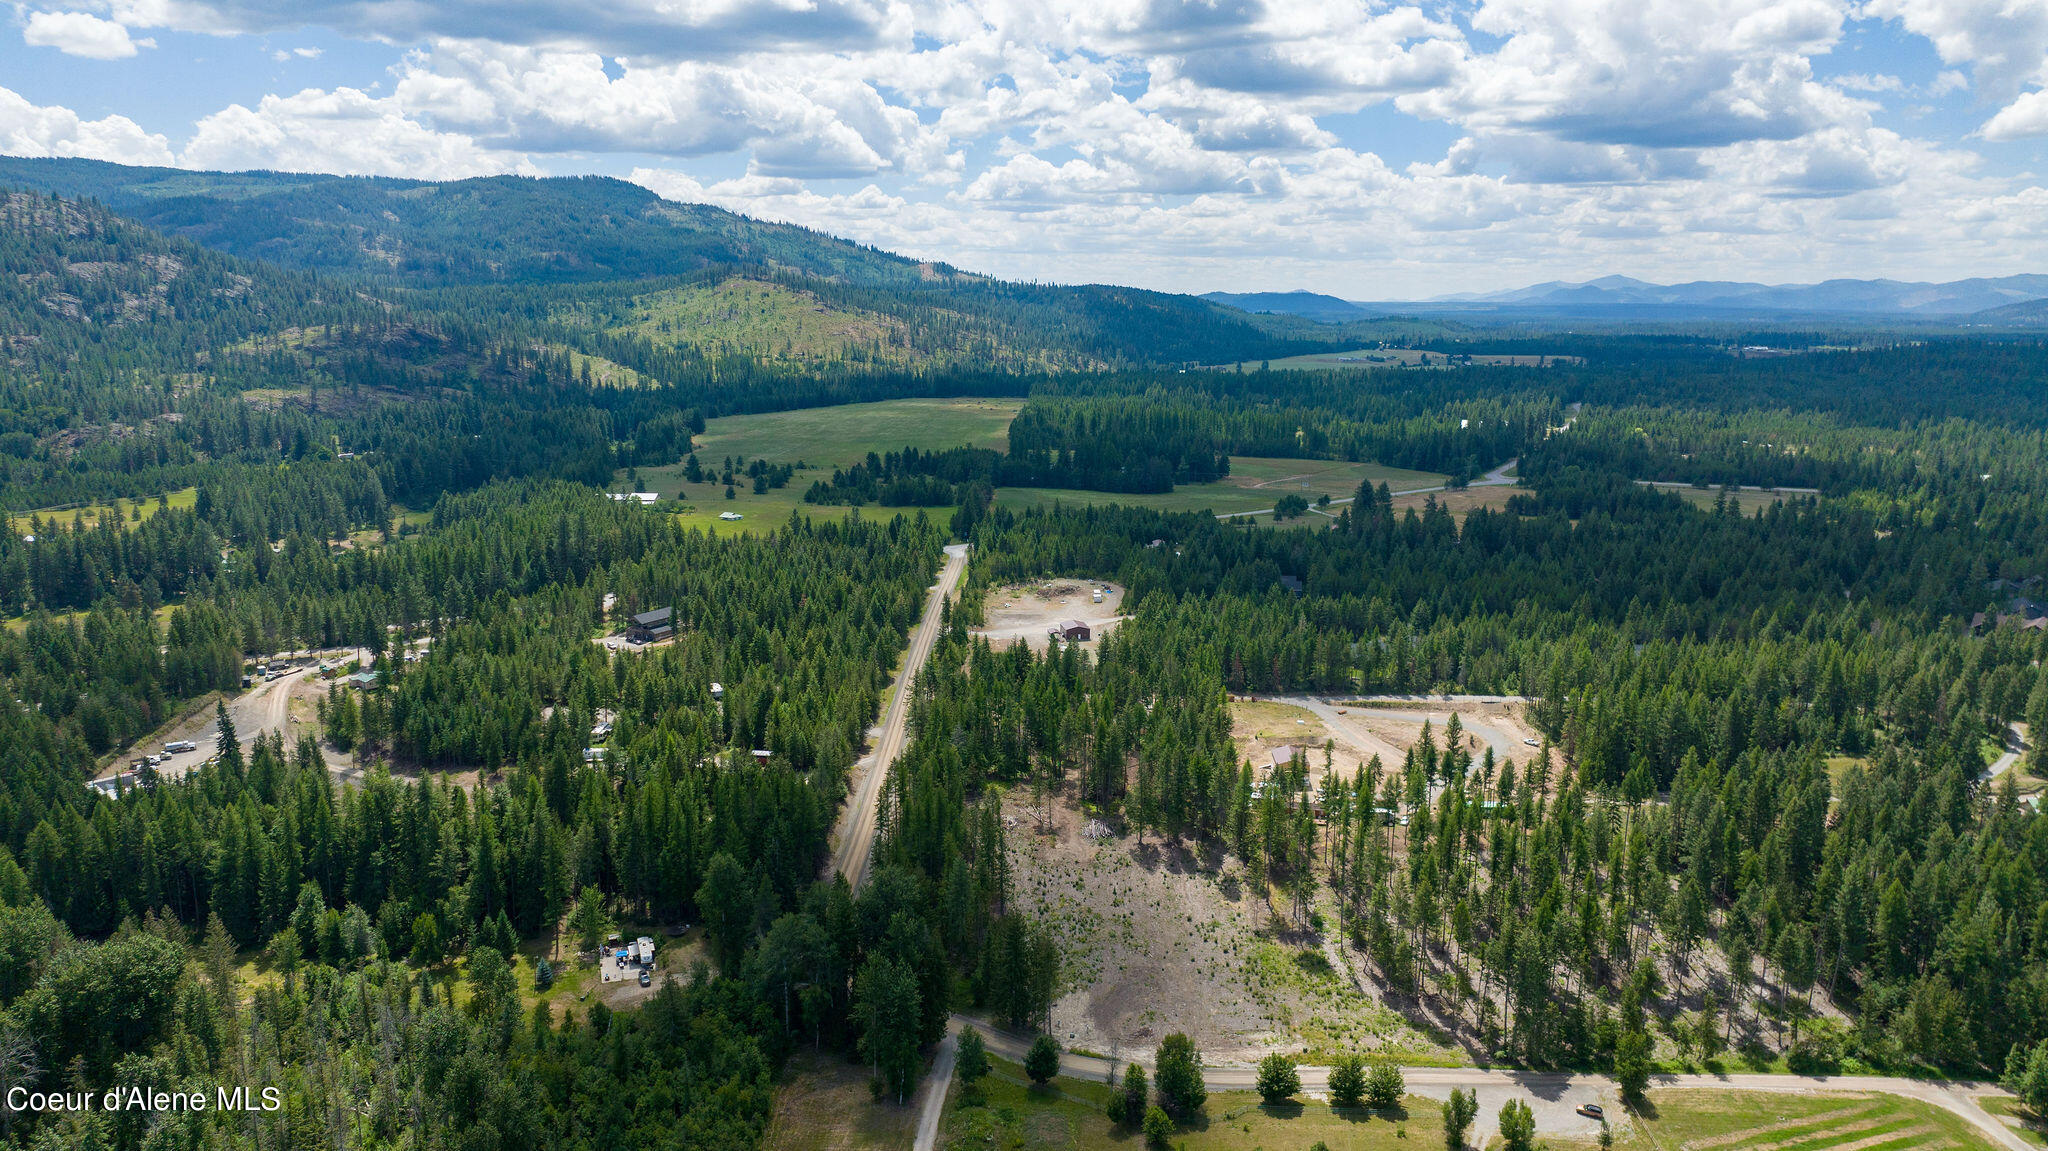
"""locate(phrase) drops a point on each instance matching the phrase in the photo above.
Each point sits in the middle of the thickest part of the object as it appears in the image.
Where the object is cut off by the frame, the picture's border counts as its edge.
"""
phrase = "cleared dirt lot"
(1359, 731)
(1160, 939)
(1029, 611)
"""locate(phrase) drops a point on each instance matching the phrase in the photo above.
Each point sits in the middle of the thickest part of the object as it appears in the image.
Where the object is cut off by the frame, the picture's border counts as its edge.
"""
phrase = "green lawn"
(1716, 1120)
(1069, 1114)
(2032, 1130)
(836, 436)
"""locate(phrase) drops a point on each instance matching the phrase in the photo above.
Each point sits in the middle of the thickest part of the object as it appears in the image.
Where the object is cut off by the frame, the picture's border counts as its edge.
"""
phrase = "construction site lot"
(1071, 1114)
(1161, 936)
(1356, 730)
(1030, 611)
(1157, 937)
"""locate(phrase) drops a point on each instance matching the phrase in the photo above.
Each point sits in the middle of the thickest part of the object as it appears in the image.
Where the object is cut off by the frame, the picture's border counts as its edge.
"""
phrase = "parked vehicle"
(1592, 1111)
(646, 979)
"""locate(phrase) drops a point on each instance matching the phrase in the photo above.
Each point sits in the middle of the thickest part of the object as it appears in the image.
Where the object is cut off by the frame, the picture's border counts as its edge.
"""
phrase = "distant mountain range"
(1311, 305)
(2004, 299)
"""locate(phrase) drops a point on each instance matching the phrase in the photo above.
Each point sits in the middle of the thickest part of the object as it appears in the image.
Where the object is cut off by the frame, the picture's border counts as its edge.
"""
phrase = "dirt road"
(1555, 1097)
(264, 708)
(1344, 722)
(855, 838)
(933, 1103)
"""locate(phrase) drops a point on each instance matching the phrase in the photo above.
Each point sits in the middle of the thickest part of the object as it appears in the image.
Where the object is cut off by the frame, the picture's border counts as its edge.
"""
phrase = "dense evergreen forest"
(1759, 811)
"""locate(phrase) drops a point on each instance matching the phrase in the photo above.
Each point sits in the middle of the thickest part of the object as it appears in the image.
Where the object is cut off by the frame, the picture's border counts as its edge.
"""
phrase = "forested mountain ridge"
(566, 231)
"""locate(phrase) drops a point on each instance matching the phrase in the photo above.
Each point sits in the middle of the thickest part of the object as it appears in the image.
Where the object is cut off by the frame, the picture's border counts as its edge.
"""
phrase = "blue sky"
(1370, 150)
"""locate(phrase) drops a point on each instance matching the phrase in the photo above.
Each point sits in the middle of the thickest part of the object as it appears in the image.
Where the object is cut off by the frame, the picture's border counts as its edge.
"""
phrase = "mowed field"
(834, 437)
(1070, 1115)
(1254, 483)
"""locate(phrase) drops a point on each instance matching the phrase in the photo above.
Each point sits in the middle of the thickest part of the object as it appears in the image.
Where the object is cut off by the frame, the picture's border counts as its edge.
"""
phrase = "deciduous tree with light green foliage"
(1158, 1126)
(1384, 1087)
(1459, 1111)
(1177, 1072)
(1278, 1080)
(1517, 1126)
(971, 1064)
(1347, 1081)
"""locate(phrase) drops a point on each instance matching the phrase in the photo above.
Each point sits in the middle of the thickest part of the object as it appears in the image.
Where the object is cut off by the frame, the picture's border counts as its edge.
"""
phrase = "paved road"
(856, 838)
(1496, 478)
(1555, 1096)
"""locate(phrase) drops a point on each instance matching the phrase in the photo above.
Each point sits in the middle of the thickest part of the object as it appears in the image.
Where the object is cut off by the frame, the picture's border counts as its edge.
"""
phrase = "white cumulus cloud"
(81, 34)
(35, 130)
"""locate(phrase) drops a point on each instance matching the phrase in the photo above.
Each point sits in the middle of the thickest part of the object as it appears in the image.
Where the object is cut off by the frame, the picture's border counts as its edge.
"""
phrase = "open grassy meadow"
(1254, 484)
(821, 439)
(125, 510)
(768, 321)
(832, 437)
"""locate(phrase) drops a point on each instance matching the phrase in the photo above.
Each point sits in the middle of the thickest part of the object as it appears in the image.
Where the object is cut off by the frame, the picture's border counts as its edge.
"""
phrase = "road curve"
(1958, 1097)
(856, 833)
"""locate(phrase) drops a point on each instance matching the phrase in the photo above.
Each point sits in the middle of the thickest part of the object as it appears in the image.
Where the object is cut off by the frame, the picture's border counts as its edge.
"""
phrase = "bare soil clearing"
(1029, 611)
(1159, 938)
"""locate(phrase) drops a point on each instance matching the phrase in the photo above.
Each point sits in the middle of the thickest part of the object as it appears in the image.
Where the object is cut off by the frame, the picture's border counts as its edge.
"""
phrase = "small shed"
(652, 626)
(1072, 631)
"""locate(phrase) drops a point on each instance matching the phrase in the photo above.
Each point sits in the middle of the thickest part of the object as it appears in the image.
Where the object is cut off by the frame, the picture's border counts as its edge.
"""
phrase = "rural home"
(1072, 631)
(652, 626)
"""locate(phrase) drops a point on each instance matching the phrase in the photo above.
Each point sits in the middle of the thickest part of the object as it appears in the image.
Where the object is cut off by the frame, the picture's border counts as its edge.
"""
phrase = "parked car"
(1532, 743)
(646, 979)
(1592, 1111)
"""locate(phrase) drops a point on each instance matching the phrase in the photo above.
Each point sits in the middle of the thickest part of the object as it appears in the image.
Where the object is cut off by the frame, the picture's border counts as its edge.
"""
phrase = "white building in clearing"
(647, 498)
